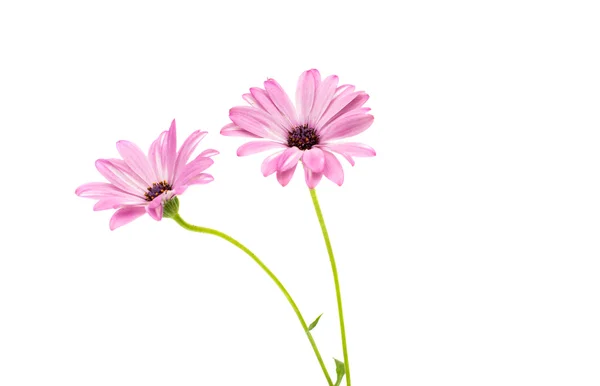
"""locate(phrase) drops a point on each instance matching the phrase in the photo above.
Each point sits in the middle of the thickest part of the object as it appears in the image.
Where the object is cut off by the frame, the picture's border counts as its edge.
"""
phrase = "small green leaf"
(340, 370)
(314, 324)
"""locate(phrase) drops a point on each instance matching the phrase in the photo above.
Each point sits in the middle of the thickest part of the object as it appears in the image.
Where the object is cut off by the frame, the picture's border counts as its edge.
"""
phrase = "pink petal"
(257, 146)
(208, 153)
(305, 93)
(281, 100)
(269, 165)
(257, 122)
(312, 179)
(192, 169)
(343, 90)
(348, 157)
(186, 150)
(333, 169)
(117, 202)
(100, 190)
(250, 99)
(340, 106)
(264, 102)
(314, 159)
(346, 126)
(107, 203)
(134, 179)
(169, 152)
(117, 173)
(352, 148)
(232, 130)
(155, 208)
(125, 215)
(201, 157)
(202, 178)
(155, 157)
(157, 201)
(135, 158)
(284, 176)
(179, 190)
(289, 158)
(323, 99)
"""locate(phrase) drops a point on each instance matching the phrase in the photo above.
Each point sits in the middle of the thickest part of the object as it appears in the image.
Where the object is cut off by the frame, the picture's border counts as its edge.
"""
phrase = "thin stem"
(287, 295)
(338, 293)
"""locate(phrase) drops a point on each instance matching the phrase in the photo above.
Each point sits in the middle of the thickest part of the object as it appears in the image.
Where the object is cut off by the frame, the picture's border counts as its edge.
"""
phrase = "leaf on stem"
(314, 324)
(340, 370)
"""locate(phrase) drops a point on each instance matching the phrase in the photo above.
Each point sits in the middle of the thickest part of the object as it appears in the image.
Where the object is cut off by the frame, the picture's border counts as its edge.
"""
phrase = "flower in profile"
(308, 132)
(139, 184)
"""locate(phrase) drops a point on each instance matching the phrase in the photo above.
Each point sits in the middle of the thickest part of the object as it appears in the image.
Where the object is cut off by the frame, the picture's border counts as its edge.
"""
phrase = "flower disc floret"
(303, 137)
(157, 189)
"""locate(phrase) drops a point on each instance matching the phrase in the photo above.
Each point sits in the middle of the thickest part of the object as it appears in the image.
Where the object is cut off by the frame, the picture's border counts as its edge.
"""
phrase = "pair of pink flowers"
(325, 112)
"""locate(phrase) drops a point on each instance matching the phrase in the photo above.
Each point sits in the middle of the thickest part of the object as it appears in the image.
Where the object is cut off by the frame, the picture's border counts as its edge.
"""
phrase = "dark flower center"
(157, 189)
(303, 137)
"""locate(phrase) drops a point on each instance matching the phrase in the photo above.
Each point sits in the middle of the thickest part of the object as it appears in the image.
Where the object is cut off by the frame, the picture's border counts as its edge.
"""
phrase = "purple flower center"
(157, 189)
(303, 137)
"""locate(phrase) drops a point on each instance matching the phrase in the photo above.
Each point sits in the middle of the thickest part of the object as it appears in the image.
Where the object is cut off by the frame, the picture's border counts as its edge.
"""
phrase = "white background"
(468, 248)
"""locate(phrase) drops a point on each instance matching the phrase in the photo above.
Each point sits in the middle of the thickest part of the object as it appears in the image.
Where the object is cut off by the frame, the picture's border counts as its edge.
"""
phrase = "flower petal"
(346, 126)
(348, 157)
(192, 170)
(305, 93)
(135, 158)
(289, 158)
(323, 99)
(352, 148)
(155, 157)
(269, 165)
(314, 159)
(186, 150)
(344, 90)
(282, 101)
(285, 176)
(232, 130)
(100, 190)
(169, 152)
(257, 147)
(155, 208)
(202, 178)
(257, 122)
(340, 106)
(250, 99)
(312, 179)
(119, 174)
(264, 102)
(125, 215)
(333, 168)
(208, 153)
(117, 202)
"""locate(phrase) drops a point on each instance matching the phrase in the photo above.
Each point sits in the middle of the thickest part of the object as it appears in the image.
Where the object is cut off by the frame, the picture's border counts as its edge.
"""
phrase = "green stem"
(287, 295)
(338, 294)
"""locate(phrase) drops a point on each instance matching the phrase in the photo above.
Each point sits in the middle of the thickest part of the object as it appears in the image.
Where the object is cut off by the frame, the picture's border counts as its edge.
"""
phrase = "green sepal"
(314, 324)
(340, 370)
(171, 207)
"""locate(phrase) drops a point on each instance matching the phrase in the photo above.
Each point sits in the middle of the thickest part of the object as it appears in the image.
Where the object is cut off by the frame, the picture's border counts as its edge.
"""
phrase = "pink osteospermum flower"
(309, 132)
(141, 184)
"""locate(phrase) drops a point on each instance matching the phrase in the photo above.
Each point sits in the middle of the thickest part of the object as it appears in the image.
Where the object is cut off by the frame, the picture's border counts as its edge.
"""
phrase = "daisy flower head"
(139, 184)
(308, 132)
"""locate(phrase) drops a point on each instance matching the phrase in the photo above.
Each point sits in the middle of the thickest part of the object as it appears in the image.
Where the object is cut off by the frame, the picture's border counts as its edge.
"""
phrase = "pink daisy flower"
(139, 184)
(309, 132)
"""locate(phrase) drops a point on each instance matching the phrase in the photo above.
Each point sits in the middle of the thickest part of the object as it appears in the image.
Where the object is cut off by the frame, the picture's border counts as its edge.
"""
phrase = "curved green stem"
(338, 294)
(287, 295)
